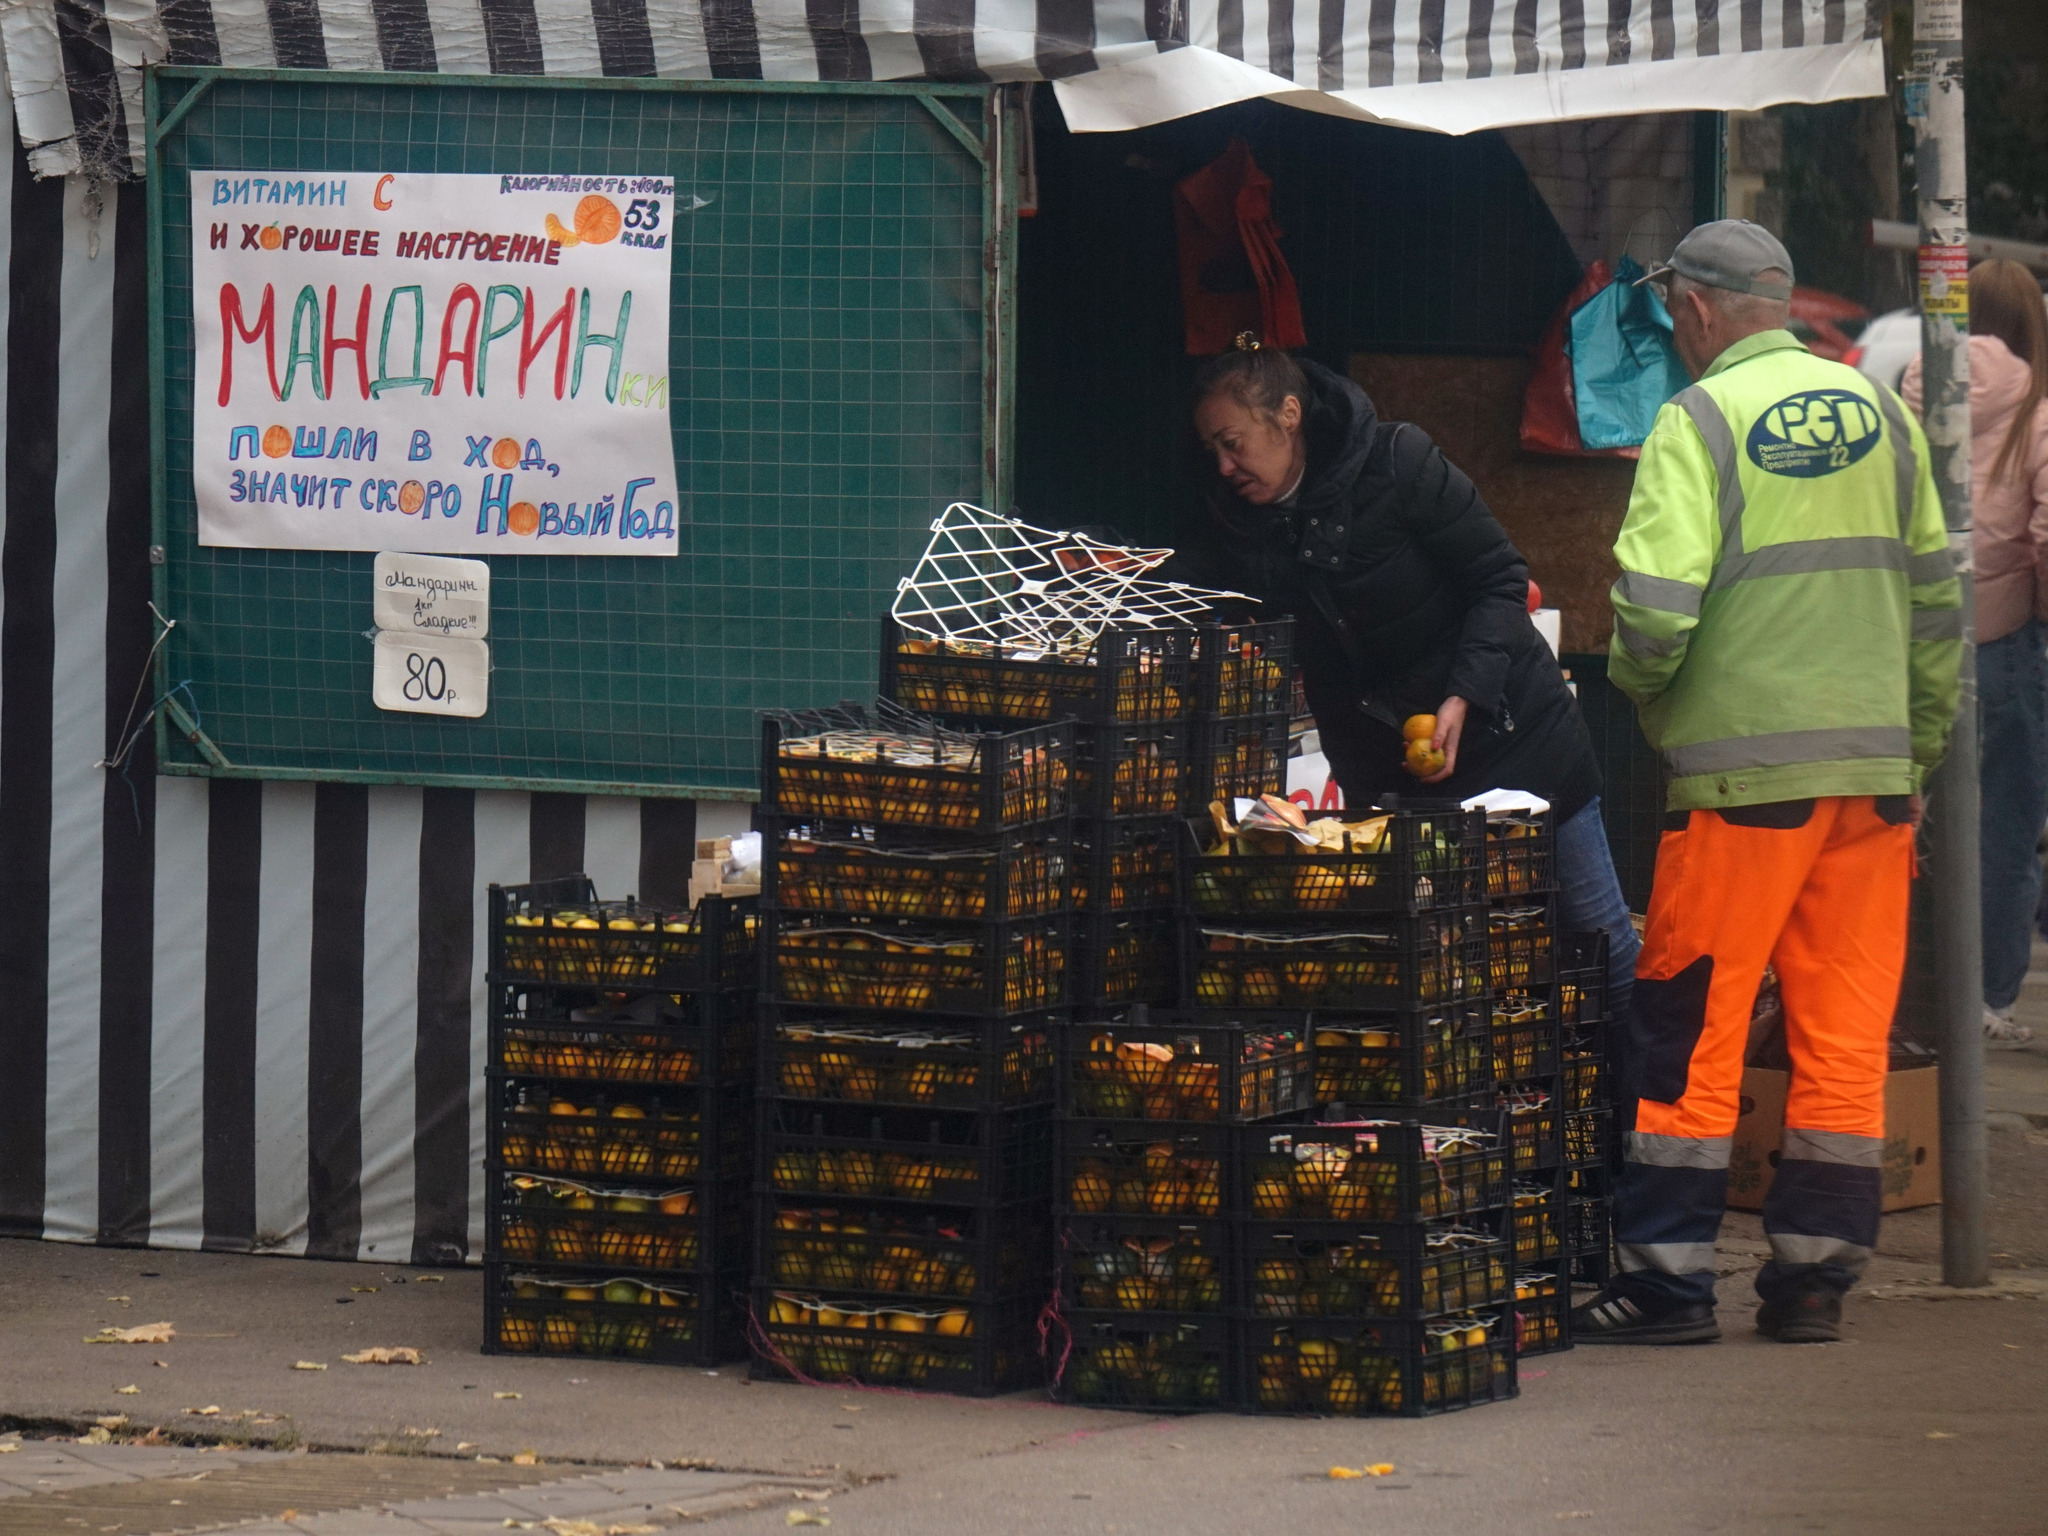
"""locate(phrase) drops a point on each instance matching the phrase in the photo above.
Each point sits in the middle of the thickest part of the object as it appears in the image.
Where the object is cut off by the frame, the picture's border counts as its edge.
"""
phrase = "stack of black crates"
(915, 961)
(619, 1124)
(1591, 1138)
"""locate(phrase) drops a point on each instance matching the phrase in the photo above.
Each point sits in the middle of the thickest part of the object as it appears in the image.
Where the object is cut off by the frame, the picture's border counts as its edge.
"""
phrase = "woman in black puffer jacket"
(1408, 599)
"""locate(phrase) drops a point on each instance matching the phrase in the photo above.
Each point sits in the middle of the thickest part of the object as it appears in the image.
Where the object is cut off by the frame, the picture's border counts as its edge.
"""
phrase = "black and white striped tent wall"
(250, 1016)
(1450, 65)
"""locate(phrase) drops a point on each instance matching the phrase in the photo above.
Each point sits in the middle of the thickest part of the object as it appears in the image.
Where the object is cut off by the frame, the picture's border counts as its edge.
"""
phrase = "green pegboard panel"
(834, 384)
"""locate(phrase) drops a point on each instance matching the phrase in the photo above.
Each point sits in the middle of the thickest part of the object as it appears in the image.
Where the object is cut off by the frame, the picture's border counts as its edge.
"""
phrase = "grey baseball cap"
(1731, 254)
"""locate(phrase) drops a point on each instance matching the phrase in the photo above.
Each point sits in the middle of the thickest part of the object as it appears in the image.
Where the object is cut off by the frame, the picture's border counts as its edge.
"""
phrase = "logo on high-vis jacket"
(1815, 432)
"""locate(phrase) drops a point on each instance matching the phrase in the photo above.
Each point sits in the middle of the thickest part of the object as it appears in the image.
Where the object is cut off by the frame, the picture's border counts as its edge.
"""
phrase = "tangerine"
(271, 238)
(277, 442)
(1419, 728)
(597, 219)
(523, 519)
(560, 233)
(1422, 759)
(411, 497)
(505, 453)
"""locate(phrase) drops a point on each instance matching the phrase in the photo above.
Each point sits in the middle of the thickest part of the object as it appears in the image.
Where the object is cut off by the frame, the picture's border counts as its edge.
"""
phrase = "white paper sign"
(456, 364)
(427, 675)
(433, 595)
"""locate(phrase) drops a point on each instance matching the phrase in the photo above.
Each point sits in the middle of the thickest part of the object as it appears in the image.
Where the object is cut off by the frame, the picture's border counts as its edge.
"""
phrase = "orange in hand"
(1422, 759)
(1419, 728)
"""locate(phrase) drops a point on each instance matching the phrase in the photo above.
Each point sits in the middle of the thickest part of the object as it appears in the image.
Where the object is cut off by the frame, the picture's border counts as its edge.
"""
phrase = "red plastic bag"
(1232, 275)
(1550, 411)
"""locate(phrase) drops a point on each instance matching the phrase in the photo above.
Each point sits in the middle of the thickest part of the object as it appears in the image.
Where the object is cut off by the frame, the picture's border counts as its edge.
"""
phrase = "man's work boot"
(1616, 1318)
(1811, 1314)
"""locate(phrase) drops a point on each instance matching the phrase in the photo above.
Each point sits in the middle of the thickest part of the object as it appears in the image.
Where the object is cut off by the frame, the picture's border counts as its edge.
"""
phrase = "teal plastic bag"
(1624, 366)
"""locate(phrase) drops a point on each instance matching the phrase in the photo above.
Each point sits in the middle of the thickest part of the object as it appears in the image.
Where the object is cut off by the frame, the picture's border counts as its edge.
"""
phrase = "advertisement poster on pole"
(447, 364)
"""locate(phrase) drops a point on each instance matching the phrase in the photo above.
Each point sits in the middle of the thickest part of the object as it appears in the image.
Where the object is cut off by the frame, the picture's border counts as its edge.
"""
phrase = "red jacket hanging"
(1232, 275)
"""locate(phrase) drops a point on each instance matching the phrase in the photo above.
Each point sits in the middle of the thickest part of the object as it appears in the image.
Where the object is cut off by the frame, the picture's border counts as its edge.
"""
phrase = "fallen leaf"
(1380, 1469)
(814, 1495)
(1339, 1474)
(504, 1396)
(119, 1298)
(364, 1290)
(465, 1445)
(385, 1355)
(9, 1447)
(308, 1365)
(97, 1435)
(1939, 1434)
(289, 1517)
(805, 1517)
(526, 1459)
(148, 1333)
(428, 1279)
(112, 1421)
(162, 1365)
(210, 1411)
(127, 1391)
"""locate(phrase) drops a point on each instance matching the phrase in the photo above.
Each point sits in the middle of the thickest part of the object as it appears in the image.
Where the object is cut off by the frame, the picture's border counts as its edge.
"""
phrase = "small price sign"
(431, 674)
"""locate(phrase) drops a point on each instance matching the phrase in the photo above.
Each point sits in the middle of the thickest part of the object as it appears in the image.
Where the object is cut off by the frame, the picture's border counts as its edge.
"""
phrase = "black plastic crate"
(1588, 1236)
(1127, 675)
(1412, 1058)
(1543, 1311)
(1131, 1168)
(1418, 859)
(1237, 759)
(619, 1134)
(1155, 1360)
(1244, 669)
(1363, 963)
(573, 1036)
(1582, 980)
(1539, 1220)
(1121, 1263)
(1340, 1269)
(1522, 944)
(1586, 1085)
(559, 932)
(823, 1054)
(895, 769)
(849, 1152)
(1186, 1064)
(670, 1320)
(856, 1248)
(1130, 770)
(1527, 1039)
(1534, 1122)
(903, 966)
(1332, 1366)
(861, 871)
(970, 1348)
(1124, 957)
(1126, 864)
(548, 1223)
(1521, 856)
(1372, 1171)
(1589, 1139)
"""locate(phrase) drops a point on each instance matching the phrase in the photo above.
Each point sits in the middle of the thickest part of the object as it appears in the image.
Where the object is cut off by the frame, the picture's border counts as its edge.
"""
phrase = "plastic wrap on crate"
(1244, 669)
(636, 1134)
(1371, 1171)
(1543, 1312)
(861, 871)
(1401, 861)
(1338, 1269)
(1127, 675)
(1122, 1359)
(852, 1248)
(1363, 962)
(560, 933)
(1124, 957)
(667, 1320)
(1130, 770)
(1125, 1263)
(973, 1349)
(545, 1221)
(1237, 759)
(822, 1054)
(677, 1040)
(1346, 1366)
(1522, 944)
(1135, 1169)
(900, 965)
(992, 1157)
(896, 769)
(1521, 855)
(1410, 1057)
(1186, 1064)
(1126, 864)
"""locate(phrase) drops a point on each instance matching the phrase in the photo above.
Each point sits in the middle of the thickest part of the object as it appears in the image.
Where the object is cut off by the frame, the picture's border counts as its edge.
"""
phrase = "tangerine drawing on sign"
(597, 221)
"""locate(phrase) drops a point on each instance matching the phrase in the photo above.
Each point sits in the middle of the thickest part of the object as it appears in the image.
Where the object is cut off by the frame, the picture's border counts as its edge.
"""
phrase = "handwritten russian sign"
(427, 675)
(432, 595)
(453, 364)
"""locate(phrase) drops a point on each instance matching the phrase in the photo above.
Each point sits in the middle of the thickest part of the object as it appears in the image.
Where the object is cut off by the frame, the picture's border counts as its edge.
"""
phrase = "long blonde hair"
(2005, 302)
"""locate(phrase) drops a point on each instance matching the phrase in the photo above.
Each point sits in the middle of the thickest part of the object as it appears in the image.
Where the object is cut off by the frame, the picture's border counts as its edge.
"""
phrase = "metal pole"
(1934, 97)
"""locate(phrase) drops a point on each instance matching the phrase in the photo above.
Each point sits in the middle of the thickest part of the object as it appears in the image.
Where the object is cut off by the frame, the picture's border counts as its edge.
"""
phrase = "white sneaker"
(2000, 1030)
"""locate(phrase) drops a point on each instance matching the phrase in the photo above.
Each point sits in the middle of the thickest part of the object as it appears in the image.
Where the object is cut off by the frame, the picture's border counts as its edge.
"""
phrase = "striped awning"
(74, 66)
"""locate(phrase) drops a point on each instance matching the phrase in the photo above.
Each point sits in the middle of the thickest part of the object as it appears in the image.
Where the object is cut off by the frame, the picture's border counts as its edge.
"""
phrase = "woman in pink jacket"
(2009, 544)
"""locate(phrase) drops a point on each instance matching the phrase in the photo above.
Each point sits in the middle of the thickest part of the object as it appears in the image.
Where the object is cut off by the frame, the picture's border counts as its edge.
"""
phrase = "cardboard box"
(1912, 1138)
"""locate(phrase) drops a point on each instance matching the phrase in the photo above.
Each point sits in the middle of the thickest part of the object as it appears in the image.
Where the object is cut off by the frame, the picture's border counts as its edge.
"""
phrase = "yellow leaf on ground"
(210, 1411)
(1380, 1469)
(9, 1447)
(385, 1355)
(503, 1396)
(308, 1365)
(1939, 1434)
(805, 1517)
(148, 1333)
(97, 1435)
(526, 1459)
(127, 1391)
(1338, 1474)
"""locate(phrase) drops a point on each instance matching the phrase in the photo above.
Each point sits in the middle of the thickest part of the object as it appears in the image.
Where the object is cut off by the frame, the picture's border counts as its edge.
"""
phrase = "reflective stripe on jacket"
(1788, 617)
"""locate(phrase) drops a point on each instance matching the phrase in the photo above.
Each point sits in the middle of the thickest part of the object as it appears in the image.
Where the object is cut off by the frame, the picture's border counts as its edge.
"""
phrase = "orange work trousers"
(1818, 889)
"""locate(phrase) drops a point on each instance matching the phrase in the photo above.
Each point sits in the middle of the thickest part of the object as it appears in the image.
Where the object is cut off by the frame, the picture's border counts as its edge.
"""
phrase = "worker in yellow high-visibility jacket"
(1788, 621)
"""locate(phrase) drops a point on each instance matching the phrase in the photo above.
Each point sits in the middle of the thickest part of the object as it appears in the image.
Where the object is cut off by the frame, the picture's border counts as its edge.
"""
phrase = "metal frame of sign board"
(171, 91)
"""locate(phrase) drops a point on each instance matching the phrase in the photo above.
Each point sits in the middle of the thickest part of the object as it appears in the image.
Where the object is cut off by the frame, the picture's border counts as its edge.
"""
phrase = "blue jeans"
(2012, 777)
(1590, 900)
